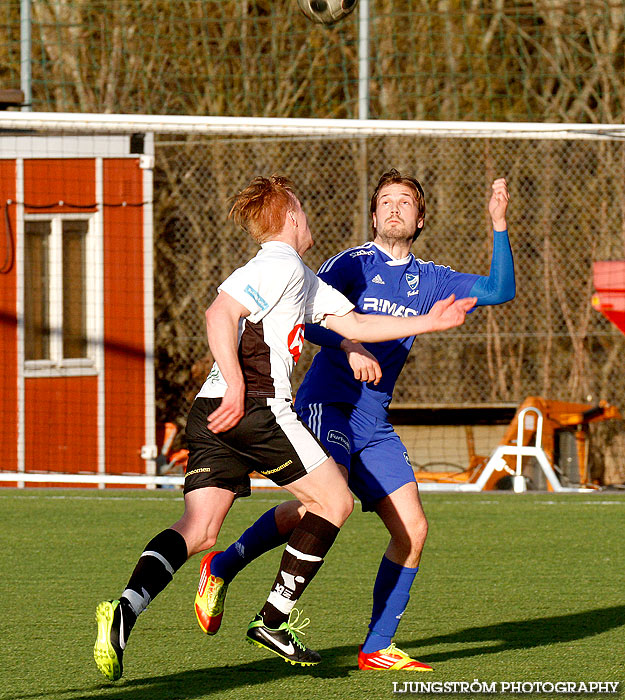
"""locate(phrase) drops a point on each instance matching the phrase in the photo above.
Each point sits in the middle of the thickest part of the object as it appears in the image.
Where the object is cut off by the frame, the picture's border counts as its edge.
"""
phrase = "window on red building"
(57, 291)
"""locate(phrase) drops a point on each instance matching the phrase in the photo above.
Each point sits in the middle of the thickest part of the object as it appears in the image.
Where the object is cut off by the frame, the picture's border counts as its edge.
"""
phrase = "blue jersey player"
(344, 399)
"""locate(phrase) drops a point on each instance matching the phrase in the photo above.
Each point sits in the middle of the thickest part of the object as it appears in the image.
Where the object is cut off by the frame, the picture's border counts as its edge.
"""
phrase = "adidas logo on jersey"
(378, 280)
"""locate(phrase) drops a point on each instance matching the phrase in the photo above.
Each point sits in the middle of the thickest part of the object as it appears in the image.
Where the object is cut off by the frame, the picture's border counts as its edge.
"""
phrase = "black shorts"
(270, 439)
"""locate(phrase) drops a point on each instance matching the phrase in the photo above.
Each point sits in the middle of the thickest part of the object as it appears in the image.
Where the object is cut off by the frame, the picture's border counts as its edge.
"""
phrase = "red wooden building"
(76, 306)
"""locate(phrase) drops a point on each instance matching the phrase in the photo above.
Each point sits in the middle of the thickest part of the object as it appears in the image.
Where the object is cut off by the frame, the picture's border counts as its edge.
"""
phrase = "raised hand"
(498, 205)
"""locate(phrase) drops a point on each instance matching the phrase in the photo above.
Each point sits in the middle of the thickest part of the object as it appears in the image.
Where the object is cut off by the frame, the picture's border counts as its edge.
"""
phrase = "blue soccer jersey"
(375, 283)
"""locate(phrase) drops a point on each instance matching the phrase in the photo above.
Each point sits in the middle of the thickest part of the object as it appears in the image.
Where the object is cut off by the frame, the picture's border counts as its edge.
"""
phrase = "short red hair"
(260, 209)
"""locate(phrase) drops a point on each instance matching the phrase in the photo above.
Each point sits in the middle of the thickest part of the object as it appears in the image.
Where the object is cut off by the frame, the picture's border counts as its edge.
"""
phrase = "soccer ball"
(327, 11)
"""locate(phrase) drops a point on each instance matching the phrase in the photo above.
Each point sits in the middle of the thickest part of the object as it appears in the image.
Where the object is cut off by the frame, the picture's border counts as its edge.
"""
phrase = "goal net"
(115, 236)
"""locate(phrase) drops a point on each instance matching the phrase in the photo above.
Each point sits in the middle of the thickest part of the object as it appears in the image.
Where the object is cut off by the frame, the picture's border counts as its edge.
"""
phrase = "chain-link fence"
(567, 210)
(450, 59)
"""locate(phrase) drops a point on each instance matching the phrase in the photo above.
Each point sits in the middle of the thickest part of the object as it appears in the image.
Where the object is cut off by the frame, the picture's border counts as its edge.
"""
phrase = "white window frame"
(57, 365)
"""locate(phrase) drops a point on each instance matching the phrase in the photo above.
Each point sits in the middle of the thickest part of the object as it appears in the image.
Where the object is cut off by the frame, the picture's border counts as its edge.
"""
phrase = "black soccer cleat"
(108, 649)
(283, 641)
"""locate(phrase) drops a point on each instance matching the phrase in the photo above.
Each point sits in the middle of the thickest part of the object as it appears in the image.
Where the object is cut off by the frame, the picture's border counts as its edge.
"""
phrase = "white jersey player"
(243, 420)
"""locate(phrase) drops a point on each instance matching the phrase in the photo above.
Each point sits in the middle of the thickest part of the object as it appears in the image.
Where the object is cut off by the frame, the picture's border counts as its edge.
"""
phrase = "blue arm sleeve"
(499, 286)
(322, 336)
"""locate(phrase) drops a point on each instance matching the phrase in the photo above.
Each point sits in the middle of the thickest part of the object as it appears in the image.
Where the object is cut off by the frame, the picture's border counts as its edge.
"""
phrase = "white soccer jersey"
(282, 294)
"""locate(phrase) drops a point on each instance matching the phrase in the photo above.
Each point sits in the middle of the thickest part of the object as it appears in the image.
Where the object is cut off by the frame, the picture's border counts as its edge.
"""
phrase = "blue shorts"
(367, 446)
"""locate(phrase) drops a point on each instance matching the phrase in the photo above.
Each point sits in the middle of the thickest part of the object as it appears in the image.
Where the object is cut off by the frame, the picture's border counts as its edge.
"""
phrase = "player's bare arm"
(374, 328)
(222, 329)
(365, 366)
(498, 205)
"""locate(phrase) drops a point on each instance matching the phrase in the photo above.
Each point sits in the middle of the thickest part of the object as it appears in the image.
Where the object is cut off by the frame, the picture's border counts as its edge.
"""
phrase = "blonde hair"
(260, 209)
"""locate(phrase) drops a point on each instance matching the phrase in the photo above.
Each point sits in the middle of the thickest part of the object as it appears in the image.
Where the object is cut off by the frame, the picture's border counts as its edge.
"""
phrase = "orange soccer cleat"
(389, 659)
(210, 597)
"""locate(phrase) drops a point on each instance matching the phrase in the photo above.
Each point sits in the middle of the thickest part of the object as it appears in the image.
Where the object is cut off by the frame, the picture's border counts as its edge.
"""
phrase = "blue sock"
(391, 594)
(259, 538)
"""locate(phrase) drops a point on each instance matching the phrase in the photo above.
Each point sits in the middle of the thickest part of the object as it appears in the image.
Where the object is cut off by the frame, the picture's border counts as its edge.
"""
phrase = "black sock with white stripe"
(161, 558)
(302, 558)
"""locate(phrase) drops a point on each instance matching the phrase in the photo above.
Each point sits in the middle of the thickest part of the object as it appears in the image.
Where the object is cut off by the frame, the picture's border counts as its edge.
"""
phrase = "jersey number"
(296, 341)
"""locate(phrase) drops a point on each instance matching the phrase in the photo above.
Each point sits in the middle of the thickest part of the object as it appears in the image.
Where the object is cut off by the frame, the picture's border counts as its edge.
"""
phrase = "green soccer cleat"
(283, 641)
(107, 650)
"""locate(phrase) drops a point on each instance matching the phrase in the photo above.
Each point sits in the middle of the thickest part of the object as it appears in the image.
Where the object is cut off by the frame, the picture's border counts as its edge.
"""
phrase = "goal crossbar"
(177, 124)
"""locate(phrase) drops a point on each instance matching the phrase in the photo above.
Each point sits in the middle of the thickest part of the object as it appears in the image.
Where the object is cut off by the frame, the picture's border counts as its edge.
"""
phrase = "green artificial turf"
(511, 588)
